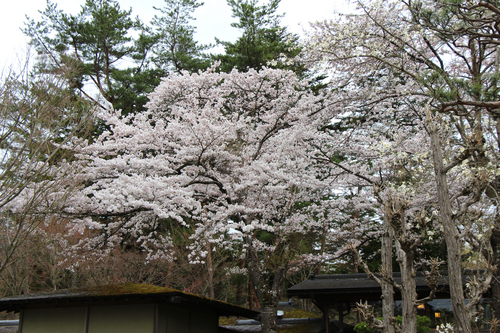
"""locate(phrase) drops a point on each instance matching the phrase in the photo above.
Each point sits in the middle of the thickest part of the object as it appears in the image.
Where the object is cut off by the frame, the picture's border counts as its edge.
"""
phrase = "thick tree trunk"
(387, 288)
(405, 249)
(322, 249)
(268, 296)
(269, 310)
(268, 315)
(250, 294)
(451, 236)
(239, 293)
(254, 271)
(408, 291)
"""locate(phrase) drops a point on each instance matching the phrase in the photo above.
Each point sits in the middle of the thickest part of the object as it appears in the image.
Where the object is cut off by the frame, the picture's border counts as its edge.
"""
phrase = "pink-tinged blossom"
(226, 153)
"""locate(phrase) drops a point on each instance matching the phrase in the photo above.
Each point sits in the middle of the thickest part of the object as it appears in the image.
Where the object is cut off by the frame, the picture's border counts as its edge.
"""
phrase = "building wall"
(177, 319)
(203, 322)
(173, 319)
(55, 320)
(138, 318)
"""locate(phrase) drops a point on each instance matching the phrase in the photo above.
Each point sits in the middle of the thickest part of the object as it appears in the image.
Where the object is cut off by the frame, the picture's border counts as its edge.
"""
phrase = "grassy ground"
(299, 328)
(297, 313)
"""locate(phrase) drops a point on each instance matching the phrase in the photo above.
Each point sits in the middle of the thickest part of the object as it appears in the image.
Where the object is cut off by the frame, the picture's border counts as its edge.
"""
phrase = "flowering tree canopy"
(226, 153)
(419, 80)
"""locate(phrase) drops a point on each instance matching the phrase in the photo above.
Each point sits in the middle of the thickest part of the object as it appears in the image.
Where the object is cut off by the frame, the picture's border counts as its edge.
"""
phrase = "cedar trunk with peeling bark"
(451, 236)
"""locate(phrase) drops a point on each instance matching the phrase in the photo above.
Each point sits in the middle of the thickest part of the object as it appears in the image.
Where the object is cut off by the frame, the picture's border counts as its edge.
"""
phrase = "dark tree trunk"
(387, 288)
(239, 293)
(451, 235)
(210, 272)
(267, 296)
(268, 314)
(408, 291)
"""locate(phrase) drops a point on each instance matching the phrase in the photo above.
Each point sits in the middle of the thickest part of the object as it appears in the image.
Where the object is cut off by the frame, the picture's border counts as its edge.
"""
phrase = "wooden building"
(342, 291)
(125, 308)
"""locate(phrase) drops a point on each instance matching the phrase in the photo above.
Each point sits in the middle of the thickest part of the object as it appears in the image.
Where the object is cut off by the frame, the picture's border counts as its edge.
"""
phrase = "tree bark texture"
(268, 296)
(268, 315)
(396, 216)
(451, 235)
(387, 288)
(408, 290)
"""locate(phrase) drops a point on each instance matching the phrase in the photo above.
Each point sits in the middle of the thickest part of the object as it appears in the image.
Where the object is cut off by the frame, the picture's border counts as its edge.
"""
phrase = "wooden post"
(87, 318)
(326, 319)
(340, 309)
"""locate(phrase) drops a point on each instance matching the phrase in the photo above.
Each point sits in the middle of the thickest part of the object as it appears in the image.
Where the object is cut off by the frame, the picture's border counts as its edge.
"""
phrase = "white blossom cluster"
(227, 152)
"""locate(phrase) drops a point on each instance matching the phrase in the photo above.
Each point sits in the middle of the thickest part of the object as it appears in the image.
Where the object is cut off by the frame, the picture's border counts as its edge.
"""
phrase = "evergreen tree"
(263, 41)
(175, 48)
(122, 69)
(98, 39)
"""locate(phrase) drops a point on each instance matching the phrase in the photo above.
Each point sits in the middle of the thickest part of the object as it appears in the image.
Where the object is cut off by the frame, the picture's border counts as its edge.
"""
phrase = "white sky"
(213, 19)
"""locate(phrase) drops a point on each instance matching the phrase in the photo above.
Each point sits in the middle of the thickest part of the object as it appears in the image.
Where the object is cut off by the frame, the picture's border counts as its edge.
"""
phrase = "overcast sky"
(213, 19)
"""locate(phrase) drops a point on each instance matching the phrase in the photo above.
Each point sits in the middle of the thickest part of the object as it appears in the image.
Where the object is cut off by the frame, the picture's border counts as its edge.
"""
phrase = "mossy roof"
(128, 293)
(125, 289)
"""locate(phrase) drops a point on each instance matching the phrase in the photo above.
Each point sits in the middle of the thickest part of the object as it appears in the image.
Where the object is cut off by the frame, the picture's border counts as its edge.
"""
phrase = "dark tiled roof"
(353, 287)
(123, 294)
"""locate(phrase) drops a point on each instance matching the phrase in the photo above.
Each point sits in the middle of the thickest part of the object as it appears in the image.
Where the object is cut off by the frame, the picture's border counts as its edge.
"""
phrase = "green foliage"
(452, 20)
(175, 47)
(423, 324)
(98, 40)
(362, 327)
(263, 41)
(265, 236)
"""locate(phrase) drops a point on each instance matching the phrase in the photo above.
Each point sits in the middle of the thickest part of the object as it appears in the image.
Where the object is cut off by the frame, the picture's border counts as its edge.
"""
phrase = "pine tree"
(175, 48)
(263, 43)
(98, 40)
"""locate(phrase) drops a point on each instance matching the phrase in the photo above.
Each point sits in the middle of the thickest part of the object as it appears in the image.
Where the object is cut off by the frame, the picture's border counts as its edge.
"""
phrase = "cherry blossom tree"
(224, 153)
(423, 75)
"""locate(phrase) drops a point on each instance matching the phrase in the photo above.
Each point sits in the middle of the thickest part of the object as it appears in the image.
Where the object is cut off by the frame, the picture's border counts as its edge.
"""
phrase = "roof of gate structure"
(341, 288)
